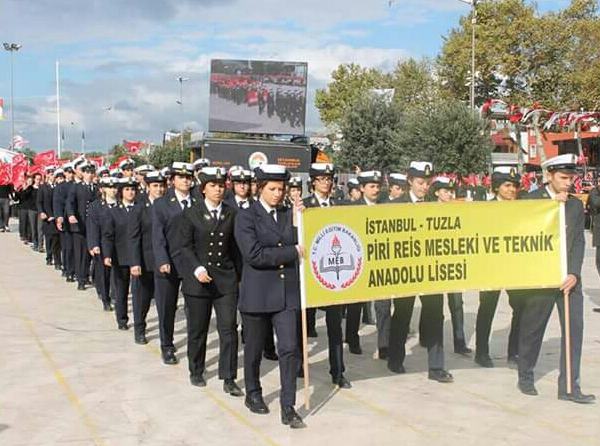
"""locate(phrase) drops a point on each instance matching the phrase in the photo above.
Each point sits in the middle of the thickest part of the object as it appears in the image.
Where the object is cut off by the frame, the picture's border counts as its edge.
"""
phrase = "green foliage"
(29, 153)
(171, 151)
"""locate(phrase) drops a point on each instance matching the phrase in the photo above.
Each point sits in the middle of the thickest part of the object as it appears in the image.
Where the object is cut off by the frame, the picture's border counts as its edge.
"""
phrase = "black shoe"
(169, 358)
(81, 286)
(527, 388)
(70, 279)
(341, 382)
(596, 310)
(123, 326)
(271, 356)
(290, 418)
(355, 349)
(57, 267)
(512, 360)
(382, 353)
(396, 369)
(230, 387)
(256, 404)
(484, 361)
(312, 333)
(64, 273)
(462, 349)
(141, 339)
(300, 373)
(107, 306)
(49, 262)
(197, 380)
(577, 397)
(441, 376)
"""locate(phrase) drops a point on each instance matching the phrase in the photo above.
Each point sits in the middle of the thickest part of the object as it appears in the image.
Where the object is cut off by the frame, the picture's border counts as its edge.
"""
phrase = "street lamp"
(473, 4)
(12, 47)
(181, 80)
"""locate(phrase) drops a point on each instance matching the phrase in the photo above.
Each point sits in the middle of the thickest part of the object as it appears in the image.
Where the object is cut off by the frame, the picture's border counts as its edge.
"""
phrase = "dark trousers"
(4, 212)
(333, 319)
(32, 225)
(535, 313)
(488, 301)
(102, 279)
(66, 248)
(383, 313)
(598, 259)
(121, 278)
(353, 312)
(198, 311)
(455, 305)
(311, 319)
(431, 330)
(255, 326)
(166, 289)
(142, 295)
(24, 230)
(52, 245)
(81, 257)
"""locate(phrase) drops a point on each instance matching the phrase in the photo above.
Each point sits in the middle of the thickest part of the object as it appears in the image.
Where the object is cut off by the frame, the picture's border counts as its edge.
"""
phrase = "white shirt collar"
(369, 202)
(245, 200)
(414, 198)
(211, 208)
(550, 192)
(180, 197)
(268, 208)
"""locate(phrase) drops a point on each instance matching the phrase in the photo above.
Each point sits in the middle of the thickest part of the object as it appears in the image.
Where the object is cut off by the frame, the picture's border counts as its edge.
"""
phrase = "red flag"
(97, 160)
(18, 170)
(5, 174)
(133, 147)
(118, 161)
(44, 159)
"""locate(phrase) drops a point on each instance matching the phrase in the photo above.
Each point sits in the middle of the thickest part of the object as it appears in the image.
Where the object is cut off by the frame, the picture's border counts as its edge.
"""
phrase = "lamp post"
(181, 80)
(473, 4)
(12, 47)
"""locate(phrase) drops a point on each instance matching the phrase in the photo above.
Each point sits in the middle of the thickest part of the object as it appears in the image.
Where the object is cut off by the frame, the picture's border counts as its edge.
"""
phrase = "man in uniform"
(354, 193)
(538, 304)
(594, 208)
(77, 206)
(240, 182)
(432, 307)
(59, 200)
(396, 187)
(321, 178)
(127, 166)
(164, 232)
(44, 204)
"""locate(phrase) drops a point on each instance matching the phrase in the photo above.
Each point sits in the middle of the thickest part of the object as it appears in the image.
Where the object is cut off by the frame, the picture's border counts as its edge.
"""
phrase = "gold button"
(220, 243)
(209, 263)
(210, 253)
(281, 266)
(282, 276)
(218, 253)
(212, 234)
(279, 244)
(211, 244)
(218, 264)
(221, 234)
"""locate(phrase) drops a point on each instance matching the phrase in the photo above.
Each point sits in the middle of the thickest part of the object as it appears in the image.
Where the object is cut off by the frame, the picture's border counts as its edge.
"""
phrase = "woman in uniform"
(269, 291)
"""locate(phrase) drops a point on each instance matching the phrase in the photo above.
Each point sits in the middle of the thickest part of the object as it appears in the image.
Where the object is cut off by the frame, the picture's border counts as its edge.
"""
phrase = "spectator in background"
(29, 208)
(594, 210)
(6, 193)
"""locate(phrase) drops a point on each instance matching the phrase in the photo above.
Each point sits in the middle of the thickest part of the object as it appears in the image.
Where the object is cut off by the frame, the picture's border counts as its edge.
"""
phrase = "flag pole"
(58, 140)
(567, 314)
(303, 314)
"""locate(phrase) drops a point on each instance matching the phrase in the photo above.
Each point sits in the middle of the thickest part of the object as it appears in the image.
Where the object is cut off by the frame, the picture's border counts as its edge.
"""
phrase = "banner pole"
(567, 314)
(303, 314)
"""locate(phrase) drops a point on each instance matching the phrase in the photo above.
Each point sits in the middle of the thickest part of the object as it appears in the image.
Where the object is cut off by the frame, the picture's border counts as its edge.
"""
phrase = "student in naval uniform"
(142, 256)
(538, 304)
(94, 224)
(44, 206)
(396, 187)
(442, 190)
(294, 191)
(59, 200)
(127, 166)
(370, 187)
(80, 197)
(211, 268)
(432, 307)
(354, 193)
(240, 189)
(321, 180)
(505, 185)
(270, 291)
(594, 209)
(164, 232)
(115, 246)
(140, 176)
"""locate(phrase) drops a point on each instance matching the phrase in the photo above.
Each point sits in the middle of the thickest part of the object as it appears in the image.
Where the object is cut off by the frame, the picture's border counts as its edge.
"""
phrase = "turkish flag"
(5, 174)
(133, 147)
(18, 170)
(118, 161)
(97, 160)
(44, 159)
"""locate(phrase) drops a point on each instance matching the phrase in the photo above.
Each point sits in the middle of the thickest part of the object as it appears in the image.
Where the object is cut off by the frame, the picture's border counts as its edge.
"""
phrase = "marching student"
(115, 246)
(538, 304)
(270, 291)
(46, 215)
(432, 312)
(142, 256)
(59, 200)
(210, 266)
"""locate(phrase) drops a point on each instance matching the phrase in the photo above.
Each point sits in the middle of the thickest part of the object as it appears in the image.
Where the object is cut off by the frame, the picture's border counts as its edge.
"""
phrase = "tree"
(171, 151)
(350, 82)
(449, 135)
(370, 130)
(413, 83)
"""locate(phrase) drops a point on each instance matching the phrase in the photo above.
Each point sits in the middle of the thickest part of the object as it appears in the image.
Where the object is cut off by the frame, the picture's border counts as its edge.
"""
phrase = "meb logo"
(336, 257)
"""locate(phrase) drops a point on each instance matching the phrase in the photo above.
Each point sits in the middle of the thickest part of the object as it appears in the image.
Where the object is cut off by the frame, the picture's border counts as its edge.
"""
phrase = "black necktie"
(214, 212)
(128, 207)
(184, 203)
(324, 204)
(272, 212)
(241, 204)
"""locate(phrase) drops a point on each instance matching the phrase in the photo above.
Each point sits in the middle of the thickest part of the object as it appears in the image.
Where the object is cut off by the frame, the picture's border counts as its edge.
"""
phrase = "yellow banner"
(360, 253)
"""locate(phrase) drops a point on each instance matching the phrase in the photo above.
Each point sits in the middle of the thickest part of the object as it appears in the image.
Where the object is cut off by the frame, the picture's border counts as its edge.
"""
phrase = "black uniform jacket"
(140, 235)
(164, 228)
(594, 208)
(204, 241)
(45, 205)
(270, 271)
(115, 235)
(77, 205)
(575, 224)
(93, 225)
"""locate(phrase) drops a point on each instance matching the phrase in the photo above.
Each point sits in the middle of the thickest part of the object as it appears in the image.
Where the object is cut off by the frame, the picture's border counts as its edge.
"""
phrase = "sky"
(120, 59)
